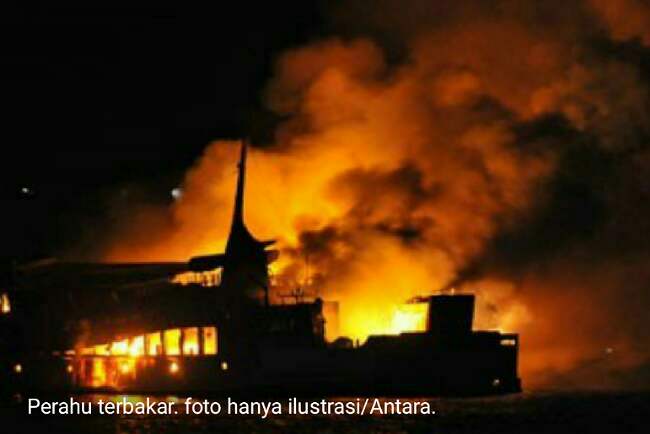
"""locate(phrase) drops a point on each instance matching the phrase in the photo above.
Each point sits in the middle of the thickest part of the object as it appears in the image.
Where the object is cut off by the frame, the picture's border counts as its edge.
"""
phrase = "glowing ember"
(125, 367)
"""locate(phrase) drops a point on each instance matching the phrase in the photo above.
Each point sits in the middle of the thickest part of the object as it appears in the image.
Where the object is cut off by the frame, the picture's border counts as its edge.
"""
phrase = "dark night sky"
(97, 95)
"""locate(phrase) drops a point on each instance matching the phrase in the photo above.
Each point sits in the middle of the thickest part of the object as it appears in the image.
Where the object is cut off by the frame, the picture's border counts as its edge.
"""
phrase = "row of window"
(188, 341)
(208, 279)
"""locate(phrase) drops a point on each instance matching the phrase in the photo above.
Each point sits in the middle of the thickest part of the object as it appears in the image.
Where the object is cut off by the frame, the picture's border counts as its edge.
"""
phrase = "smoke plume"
(498, 147)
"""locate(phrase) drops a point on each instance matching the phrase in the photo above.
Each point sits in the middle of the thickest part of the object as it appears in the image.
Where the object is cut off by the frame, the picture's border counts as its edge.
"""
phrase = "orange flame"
(388, 178)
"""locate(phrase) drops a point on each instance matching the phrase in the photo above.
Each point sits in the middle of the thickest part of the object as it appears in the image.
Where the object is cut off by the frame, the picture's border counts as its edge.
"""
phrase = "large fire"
(457, 163)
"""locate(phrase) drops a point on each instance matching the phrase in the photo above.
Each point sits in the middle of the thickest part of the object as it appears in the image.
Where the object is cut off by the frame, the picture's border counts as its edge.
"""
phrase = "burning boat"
(208, 325)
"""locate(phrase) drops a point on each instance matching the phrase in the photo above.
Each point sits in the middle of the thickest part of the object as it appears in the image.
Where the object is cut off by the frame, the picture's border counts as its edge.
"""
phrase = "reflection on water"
(524, 413)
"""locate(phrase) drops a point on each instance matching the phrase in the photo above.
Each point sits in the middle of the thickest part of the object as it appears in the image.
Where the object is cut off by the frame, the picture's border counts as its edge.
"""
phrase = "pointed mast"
(241, 245)
(238, 214)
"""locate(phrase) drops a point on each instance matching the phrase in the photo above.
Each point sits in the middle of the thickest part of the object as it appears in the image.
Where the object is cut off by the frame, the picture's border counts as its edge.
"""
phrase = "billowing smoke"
(498, 147)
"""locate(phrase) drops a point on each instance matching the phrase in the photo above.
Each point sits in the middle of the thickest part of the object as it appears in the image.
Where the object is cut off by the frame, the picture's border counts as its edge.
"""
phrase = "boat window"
(136, 346)
(210, 340)
(190, 341)
(172, 342)
(153, 344)
(120, 348)
(97, 371)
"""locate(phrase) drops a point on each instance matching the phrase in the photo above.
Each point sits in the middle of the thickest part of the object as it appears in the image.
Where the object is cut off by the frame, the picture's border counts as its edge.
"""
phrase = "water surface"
(529, 412)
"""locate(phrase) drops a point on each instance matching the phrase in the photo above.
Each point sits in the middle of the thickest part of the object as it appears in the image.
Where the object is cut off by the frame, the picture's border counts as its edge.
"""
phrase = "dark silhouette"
(140, 327)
